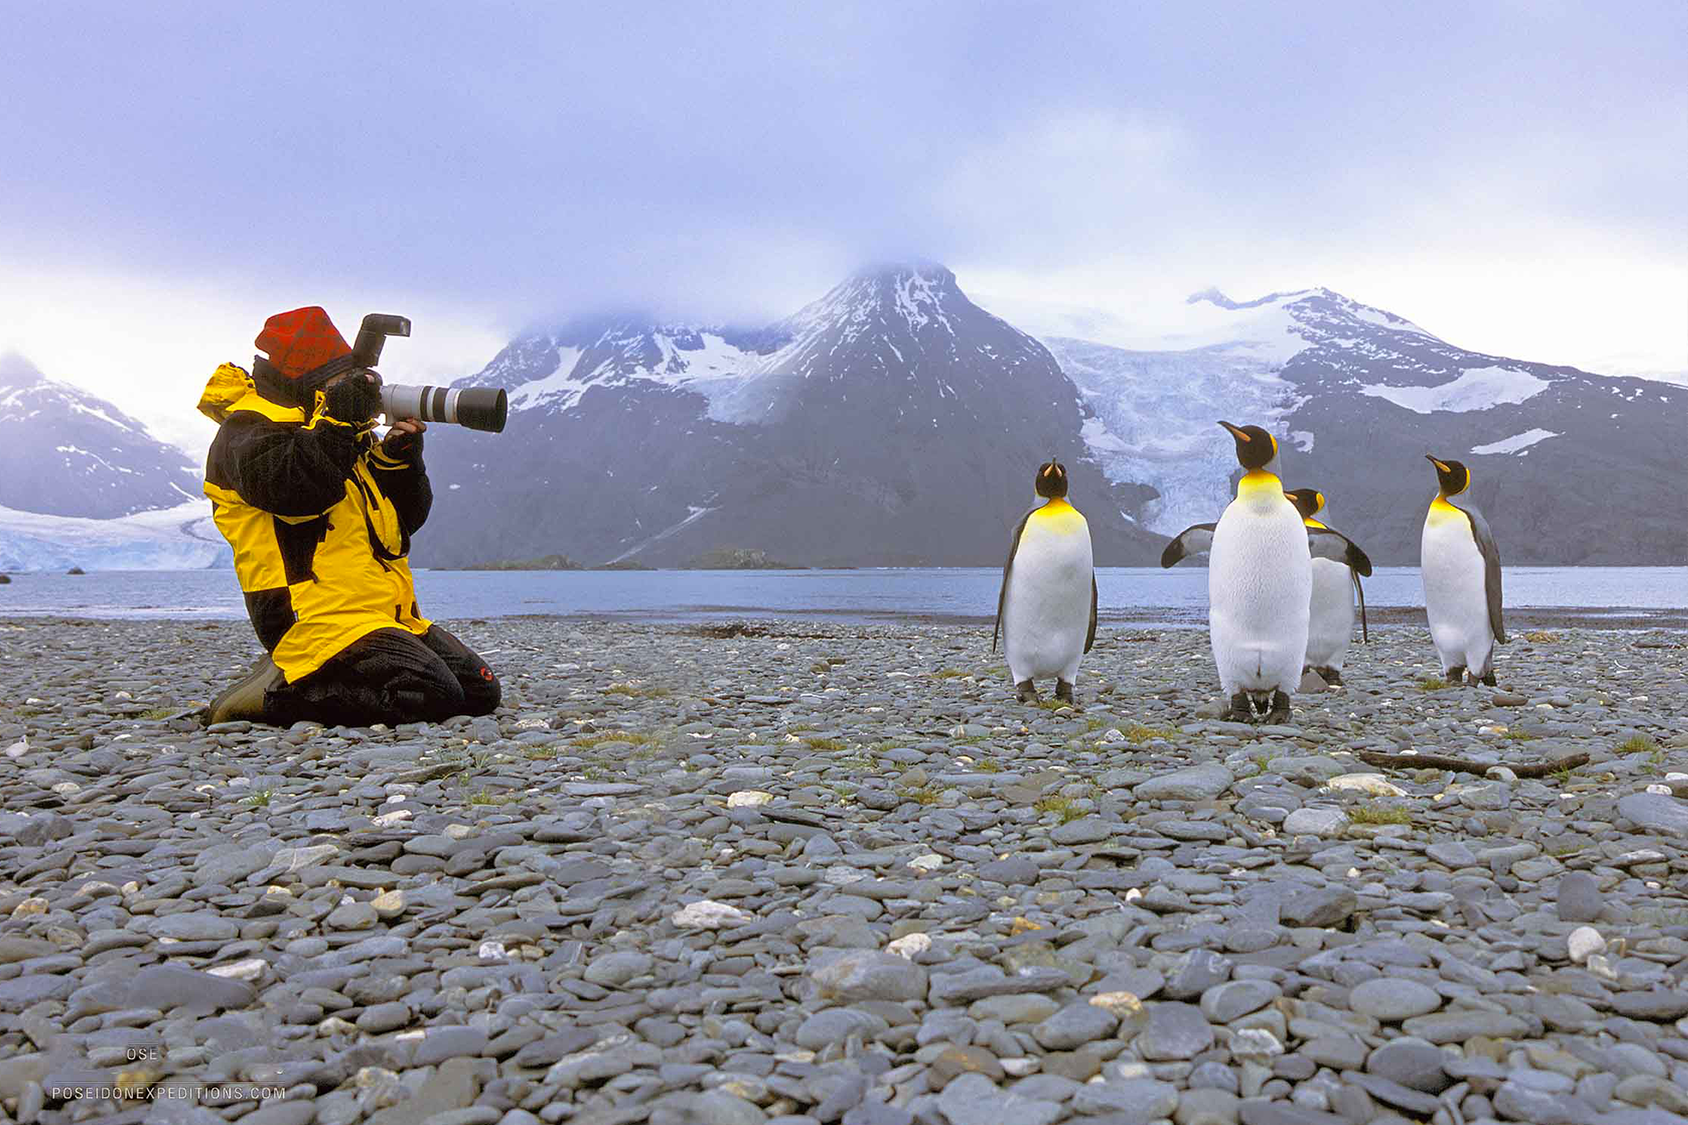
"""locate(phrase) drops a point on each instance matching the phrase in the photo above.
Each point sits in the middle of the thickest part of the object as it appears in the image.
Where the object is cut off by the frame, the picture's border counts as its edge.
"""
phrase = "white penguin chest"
(1451, 564)
(1259, 560)
(1047, 613)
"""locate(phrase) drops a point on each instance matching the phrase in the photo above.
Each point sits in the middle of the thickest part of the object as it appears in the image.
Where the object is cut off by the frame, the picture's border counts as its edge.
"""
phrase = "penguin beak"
(1235, 432)
(1439, 465)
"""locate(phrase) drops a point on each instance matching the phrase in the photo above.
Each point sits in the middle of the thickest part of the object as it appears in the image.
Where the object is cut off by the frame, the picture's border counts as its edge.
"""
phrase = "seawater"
(1125, 594)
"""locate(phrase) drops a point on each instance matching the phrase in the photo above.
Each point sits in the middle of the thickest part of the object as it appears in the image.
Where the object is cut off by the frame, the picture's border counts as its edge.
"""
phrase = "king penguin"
(1046, 610)
(1259, 582)
(1460, 563)
(1336, 585)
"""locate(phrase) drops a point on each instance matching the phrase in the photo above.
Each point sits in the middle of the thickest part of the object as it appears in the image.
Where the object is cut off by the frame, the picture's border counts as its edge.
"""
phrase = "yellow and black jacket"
(320, 519)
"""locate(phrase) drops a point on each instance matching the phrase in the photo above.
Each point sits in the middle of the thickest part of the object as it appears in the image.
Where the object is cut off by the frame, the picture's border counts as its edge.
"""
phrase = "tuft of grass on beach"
(637, 691)
(1063, 807)
(260, 799)
(1378, 814)
(1431, 683)
(1636, 744)
(588, 741)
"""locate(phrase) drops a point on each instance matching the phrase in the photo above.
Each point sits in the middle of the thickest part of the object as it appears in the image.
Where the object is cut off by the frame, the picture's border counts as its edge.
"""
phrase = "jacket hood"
(228, 386)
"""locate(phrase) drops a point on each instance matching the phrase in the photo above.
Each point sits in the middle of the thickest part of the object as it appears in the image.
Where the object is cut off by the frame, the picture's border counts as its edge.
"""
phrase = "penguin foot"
(1330, 675)
(1489, 679)
(1456, 675)
(1280, 708)
(1064, 691)
(1025, 691)
(1242, 711)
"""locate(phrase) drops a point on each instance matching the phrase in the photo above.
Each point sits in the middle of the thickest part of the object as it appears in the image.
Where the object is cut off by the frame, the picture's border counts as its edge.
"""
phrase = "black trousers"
(389, 676)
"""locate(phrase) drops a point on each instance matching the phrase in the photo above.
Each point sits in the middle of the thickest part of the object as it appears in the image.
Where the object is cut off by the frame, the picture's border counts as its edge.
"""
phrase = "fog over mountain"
(891, 422)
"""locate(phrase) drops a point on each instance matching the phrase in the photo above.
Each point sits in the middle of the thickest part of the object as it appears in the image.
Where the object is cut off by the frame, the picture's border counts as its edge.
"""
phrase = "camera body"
(477, 408)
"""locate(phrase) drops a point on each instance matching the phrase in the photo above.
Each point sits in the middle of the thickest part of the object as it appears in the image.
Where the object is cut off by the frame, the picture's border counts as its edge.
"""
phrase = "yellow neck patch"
(1310, 522)
(1058, 516)
(1441, 511)
(1257, 481)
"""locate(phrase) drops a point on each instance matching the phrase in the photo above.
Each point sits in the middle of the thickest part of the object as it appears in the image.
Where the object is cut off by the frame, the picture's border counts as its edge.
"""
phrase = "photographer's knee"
(482, 692)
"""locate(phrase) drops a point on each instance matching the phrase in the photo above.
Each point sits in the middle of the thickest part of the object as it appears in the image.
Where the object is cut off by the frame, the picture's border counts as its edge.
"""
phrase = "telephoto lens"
(478, 408)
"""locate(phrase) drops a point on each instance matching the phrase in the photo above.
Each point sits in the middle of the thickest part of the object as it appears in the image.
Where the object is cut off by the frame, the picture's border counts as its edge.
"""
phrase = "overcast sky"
(1510, 176)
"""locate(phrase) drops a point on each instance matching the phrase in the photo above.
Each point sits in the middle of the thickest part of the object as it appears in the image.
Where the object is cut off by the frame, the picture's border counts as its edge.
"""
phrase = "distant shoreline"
(1519, 619)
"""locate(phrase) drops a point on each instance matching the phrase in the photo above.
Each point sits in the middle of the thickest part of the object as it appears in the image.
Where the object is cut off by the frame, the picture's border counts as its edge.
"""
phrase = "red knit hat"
(301, 341)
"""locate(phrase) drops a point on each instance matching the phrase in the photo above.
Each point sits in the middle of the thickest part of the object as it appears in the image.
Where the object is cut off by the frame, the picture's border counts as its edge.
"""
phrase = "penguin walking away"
(1259, 582)
(1046, 611)
(1336, 586)
(1460, 564)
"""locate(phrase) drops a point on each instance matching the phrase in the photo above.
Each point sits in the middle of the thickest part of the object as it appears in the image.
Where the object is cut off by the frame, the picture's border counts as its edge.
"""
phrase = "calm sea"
(1126, 594)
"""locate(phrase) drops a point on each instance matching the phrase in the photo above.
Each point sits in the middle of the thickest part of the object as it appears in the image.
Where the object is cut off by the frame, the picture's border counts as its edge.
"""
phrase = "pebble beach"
(742, 873)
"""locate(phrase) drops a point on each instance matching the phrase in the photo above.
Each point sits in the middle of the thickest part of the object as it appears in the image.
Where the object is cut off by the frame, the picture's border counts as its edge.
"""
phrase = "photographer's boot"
(245, 698)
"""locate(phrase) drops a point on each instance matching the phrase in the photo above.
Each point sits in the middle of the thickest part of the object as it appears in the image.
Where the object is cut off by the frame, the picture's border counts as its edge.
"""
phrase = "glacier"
(178, 538)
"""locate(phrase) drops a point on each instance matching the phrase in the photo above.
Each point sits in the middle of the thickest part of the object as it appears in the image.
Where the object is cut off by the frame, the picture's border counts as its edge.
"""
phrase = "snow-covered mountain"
(893, 421)
(1569, 467)
(83, 484)
(65, 452)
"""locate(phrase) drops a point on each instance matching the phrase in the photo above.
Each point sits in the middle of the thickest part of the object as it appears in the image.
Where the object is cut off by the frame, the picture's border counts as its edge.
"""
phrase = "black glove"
(354, 399)
(402, 445)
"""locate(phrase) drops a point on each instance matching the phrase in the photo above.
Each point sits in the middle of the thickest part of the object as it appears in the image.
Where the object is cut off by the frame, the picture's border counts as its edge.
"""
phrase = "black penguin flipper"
(1007, 568)
(1328, 543)
(1193, 540)
(1485, 540)
(1360, 592)
(1090, 637)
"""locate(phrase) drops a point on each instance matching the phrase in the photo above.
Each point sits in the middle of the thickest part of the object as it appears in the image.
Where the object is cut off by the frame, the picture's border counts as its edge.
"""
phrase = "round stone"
(1393, 1000)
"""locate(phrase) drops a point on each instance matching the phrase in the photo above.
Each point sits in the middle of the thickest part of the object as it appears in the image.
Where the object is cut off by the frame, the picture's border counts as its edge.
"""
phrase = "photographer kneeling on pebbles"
(320, 516)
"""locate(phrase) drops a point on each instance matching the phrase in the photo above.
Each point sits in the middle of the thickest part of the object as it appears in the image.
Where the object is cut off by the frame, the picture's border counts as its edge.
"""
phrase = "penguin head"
(1052, 480)
(1307, 501)
(1256, 449)
(1453, 477)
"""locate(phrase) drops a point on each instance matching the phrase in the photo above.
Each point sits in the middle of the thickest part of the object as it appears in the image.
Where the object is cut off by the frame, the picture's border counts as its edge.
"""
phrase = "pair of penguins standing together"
(1281, 585)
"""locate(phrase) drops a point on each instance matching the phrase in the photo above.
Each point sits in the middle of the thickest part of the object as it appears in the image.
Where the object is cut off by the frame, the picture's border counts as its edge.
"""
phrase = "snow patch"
(561, 382)
(1514, 443)
(697, 513)
(1477, 388)
(1303, 440)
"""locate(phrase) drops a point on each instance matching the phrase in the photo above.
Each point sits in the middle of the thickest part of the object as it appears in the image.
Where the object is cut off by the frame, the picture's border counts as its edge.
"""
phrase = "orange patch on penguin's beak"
(1235, 432)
